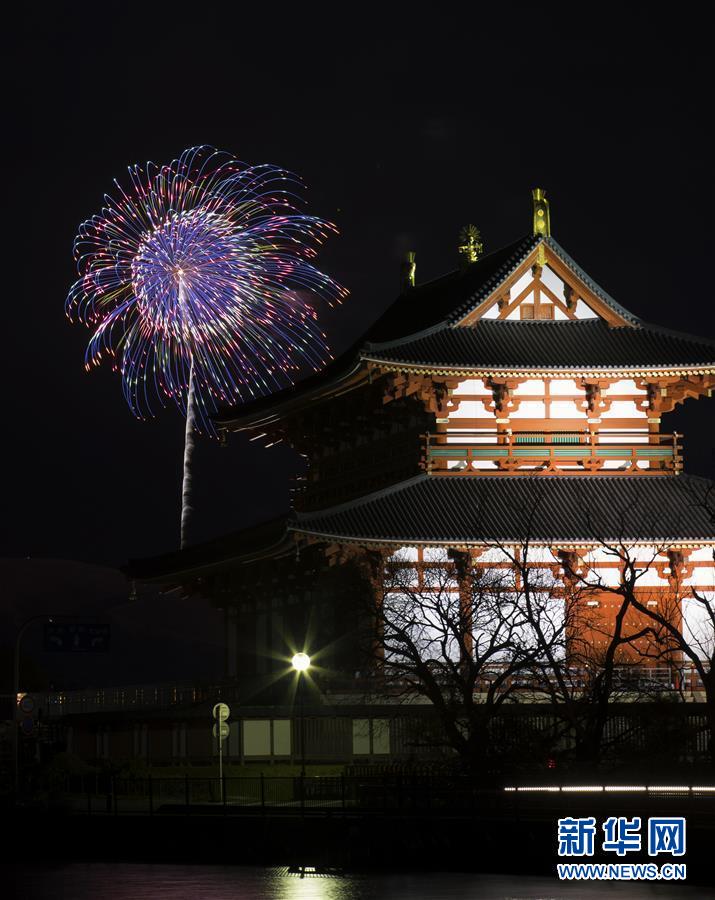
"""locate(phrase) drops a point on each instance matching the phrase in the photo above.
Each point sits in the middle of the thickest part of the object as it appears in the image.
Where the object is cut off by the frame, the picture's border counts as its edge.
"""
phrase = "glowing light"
(616, 788)
(301, 662)
(548, 790)
(625, 788)
(586, 788)
(202, 264)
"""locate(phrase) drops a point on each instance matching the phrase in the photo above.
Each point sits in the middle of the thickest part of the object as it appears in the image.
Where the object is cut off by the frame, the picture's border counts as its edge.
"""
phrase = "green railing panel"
(451, 452)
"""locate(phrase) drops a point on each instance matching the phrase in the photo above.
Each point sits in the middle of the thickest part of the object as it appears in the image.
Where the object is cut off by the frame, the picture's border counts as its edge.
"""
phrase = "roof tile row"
(448, 509)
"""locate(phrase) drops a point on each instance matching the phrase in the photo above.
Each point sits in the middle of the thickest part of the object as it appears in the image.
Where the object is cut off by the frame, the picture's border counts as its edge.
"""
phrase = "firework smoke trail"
(197, 275)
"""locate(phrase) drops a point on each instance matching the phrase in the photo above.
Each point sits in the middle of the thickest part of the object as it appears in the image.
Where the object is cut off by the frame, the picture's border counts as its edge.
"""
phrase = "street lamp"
(301, 664)
(16, 690)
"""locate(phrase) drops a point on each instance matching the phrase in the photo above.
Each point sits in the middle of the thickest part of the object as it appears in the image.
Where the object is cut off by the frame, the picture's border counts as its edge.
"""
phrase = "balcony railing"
(612, 453)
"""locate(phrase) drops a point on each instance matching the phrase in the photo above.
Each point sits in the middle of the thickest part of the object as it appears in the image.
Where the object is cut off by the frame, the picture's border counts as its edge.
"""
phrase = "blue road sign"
(76, 637)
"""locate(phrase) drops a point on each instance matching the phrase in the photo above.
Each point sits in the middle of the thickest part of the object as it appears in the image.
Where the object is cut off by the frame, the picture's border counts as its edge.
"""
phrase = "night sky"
(403, 131)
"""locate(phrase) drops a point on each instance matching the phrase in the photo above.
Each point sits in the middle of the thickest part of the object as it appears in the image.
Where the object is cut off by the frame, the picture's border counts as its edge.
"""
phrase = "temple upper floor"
(518, 362)
(525, 311)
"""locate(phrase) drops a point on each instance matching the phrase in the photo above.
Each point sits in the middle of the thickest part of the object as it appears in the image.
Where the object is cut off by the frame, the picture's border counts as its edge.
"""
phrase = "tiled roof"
(419, 322)
(421, 307)
(567, 344)
(463, 509)
(589, 282)
(240, 547)
(437, 301)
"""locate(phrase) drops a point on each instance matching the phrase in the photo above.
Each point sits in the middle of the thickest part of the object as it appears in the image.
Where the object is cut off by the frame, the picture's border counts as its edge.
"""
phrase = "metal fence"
(683, 677)
(111, 795)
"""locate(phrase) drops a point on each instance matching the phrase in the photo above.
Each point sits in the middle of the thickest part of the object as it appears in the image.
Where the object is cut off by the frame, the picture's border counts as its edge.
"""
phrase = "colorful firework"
(202, 273)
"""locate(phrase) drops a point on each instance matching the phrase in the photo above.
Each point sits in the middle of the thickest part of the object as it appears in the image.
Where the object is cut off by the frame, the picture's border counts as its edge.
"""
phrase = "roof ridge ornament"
(408, 269)
(470, 245)
(542, 219)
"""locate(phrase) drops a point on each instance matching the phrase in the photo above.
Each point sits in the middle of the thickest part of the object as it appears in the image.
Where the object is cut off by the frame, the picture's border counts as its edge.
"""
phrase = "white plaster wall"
(703, 577)
(702, 554)
(406, 553)
(566, 409)
(624, 409)
(564, 386)
(529, 409)
(470, 386)
(583, 311)
(624, 386)
(552, 281)
(697, 625)
(530, 386)
(519, 285)
(470, 409)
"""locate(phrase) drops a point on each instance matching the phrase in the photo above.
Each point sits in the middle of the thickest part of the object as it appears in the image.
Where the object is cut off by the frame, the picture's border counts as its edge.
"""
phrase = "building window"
(178, 740)
(266, 737)
(102, 742)
(371, 737)
(140, 741)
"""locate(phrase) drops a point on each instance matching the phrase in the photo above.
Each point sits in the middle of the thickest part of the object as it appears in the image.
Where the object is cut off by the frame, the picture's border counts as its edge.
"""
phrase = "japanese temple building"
(513, 384)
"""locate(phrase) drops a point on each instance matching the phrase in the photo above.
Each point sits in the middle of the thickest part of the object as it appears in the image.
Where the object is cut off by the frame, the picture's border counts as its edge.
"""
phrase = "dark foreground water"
(127, 881)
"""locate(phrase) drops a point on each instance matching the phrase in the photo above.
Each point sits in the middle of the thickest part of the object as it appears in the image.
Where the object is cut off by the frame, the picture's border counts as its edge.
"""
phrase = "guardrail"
(645, 679)
(465, 452)
(57, 704)
(109, 795)
(139, 696)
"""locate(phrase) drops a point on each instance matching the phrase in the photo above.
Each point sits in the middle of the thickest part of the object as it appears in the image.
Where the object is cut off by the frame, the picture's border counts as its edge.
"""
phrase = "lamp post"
(44, 617)
(301, 664)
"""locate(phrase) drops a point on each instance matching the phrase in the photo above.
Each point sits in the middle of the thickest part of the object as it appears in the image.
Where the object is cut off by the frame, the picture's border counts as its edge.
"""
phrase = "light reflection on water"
(112, 881)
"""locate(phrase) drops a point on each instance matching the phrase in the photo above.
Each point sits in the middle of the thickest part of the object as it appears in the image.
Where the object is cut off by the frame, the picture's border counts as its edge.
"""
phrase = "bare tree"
(679, 620)
(455, 632)
(587, 664)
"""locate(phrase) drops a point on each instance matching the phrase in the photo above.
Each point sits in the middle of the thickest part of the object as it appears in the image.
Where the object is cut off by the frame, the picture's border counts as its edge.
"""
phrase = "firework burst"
(200, 274)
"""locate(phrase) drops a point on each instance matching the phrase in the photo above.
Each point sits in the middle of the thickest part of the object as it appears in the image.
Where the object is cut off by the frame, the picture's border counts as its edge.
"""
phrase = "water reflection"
(171, 882)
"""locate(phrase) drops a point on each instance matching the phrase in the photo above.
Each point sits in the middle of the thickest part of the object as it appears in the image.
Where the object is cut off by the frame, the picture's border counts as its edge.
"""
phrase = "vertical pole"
(302, 724)
(151, 797)
(220, 759)
(15, 691)
(301, 688)
(187, 793)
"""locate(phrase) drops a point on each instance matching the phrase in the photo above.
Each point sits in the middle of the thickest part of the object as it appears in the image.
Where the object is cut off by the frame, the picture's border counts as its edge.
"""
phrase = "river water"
(126, 881)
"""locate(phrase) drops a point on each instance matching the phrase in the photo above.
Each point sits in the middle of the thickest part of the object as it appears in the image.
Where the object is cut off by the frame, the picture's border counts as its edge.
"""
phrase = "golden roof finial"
(542, 220)
(470, 245)
(408, 270)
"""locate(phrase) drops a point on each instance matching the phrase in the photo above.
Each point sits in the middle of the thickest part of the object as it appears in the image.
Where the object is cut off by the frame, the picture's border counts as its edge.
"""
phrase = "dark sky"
(403, 132)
